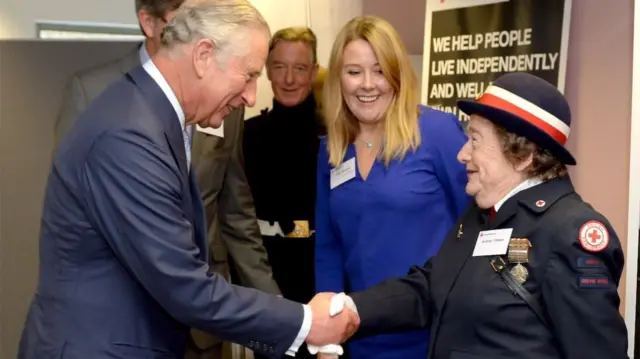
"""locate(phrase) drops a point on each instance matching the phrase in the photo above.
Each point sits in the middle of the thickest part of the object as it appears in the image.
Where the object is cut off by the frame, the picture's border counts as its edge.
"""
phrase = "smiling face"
(291, 71)
(491, 175)
(365, 90)
(228, 80)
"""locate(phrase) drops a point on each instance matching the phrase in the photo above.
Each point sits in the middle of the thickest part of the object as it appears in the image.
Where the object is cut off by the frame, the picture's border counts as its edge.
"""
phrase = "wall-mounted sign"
(469, 43)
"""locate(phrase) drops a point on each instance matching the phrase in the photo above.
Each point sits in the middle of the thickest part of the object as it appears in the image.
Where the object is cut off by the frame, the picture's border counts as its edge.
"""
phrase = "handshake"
(334, 320)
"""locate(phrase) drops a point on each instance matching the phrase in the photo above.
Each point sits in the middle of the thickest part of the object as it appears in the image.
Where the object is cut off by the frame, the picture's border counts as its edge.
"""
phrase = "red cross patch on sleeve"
(594, 236)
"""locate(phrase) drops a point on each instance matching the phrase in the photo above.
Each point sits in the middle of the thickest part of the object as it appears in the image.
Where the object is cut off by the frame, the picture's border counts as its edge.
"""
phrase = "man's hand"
(326, 329)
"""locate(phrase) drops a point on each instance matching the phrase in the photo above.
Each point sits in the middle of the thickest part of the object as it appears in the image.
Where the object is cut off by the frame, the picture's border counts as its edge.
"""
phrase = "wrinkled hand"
(326, 329)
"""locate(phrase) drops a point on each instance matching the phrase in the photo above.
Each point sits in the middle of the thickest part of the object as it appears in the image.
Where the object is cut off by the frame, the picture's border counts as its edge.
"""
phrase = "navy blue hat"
(527, 106)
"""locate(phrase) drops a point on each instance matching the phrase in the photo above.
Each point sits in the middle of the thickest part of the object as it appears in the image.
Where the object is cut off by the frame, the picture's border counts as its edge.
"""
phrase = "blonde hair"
(295, 34)
(318, 85)
(401, 131)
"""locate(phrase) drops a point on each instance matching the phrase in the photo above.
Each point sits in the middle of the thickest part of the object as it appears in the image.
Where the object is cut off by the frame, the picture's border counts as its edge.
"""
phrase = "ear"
(525, 163)
(203, 57)
(314, 72)
(147, 23)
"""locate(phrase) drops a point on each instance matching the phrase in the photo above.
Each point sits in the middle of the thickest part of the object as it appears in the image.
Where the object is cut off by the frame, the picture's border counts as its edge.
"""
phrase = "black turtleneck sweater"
(280, 150)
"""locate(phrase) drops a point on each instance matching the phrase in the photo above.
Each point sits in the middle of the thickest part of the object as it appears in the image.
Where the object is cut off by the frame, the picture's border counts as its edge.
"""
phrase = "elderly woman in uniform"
(530, 270)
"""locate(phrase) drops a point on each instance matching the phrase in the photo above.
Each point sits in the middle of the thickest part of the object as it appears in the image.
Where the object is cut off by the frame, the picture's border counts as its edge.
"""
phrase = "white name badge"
(492, 243)
(343, 173)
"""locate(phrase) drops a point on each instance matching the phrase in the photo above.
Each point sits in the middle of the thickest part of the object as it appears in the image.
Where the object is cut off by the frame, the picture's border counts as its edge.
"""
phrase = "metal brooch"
(519, 253)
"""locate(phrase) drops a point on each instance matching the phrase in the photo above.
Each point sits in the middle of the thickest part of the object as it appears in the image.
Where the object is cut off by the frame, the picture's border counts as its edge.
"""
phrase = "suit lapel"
(192, 204)
(163, 109)
(199, 227)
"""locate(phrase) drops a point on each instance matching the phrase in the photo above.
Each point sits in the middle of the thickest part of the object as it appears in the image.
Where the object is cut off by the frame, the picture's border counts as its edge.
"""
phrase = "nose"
(288, 77)
(464, 156)
(368, 81)
(249, 94)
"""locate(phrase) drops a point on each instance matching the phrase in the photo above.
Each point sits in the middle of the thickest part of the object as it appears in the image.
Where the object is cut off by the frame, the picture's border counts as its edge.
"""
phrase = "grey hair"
(216, 20)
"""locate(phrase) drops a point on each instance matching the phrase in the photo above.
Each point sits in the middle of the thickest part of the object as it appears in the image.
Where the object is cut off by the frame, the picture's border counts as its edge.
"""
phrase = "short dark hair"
(545, 165)
(158, 8)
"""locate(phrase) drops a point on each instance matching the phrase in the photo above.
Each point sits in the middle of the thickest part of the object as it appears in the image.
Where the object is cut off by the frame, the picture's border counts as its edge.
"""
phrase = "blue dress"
(374, 229)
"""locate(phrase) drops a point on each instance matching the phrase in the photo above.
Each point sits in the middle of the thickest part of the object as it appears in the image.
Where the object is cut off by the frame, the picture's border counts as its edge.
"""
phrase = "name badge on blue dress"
(343, 173)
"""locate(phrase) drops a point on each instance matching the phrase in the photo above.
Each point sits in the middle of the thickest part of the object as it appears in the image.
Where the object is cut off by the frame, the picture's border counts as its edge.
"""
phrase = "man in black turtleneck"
(281, 148)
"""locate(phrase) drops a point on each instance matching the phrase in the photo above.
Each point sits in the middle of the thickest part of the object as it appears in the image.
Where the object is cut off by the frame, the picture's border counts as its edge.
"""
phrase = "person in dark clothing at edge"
(281, 148)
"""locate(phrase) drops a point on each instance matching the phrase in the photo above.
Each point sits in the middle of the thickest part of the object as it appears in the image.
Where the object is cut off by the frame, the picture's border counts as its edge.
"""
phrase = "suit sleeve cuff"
(302, 334)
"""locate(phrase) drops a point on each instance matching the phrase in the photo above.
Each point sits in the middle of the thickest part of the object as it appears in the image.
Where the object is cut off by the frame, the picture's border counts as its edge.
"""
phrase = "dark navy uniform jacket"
(473, 314)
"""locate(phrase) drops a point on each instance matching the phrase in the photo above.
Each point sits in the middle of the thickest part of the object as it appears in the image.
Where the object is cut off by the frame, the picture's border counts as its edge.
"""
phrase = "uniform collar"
(536, 198)
(539, 197)
(531, 182)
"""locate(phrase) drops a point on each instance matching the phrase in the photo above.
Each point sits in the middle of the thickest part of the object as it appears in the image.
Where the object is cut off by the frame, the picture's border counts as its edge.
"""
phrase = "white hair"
(221, 21)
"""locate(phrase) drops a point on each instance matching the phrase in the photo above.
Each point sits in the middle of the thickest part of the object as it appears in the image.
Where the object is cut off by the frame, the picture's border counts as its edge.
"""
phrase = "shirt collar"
(528, 183)
(156, 75)
(142, 52)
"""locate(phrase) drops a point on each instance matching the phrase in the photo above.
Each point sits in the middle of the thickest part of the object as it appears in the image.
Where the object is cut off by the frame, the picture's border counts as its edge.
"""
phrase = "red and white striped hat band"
(507, 101)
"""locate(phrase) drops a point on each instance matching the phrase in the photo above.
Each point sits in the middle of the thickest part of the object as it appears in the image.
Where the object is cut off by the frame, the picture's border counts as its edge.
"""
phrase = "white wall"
(326, 18)
(18, 17)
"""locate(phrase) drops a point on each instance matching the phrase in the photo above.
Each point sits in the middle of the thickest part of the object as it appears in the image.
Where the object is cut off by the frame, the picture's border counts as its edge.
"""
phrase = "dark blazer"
(123, 250)
(218, 165)
(474, 315)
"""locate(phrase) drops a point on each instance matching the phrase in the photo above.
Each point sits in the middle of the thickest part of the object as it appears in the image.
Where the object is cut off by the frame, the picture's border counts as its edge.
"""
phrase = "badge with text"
(343, 173)
(594, 236)
(492, 243)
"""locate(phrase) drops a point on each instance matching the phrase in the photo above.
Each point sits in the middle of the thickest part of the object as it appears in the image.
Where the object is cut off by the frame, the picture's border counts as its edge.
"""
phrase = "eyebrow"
(295, 64)
(254, 74)
(358, 65)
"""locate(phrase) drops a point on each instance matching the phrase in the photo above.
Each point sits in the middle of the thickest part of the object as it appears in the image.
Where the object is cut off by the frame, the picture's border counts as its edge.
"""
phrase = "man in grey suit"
(218, 164)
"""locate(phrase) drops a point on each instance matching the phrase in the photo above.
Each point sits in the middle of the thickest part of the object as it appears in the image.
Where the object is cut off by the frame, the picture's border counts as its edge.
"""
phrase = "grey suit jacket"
(218, 162)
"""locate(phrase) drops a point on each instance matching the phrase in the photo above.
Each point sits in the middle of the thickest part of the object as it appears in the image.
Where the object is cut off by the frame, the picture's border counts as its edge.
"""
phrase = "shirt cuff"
(302, 334)
(349, 303)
